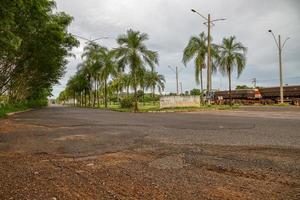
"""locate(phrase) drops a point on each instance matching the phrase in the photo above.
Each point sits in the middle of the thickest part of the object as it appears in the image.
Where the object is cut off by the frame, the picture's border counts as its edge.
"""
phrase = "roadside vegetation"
(34, 44)
(121, 75)
(125, 78)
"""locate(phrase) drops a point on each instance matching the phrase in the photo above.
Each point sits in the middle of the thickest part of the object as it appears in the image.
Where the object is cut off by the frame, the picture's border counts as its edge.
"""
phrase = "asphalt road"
(251, 147)
(106, 131)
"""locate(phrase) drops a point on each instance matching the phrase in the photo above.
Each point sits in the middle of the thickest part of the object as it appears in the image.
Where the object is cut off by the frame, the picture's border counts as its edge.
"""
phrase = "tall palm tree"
(196, 49)
(232, 54)
(85, 68)
(92, 54)
(133, 53)
(153, 80)
(109, 67)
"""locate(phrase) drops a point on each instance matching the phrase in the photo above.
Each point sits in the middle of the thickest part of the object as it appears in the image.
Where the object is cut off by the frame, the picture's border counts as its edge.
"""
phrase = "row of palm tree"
(129, 66)
(226, 57)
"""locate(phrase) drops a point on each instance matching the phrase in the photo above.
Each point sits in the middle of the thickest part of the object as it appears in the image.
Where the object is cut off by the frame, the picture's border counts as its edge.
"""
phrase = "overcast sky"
(170, 24)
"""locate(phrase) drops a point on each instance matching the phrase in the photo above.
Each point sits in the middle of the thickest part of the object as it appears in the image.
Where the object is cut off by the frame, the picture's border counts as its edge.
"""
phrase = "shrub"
(127, 102)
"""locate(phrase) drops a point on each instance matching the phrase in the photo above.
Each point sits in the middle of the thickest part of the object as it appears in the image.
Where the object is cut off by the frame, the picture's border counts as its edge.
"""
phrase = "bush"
(127, 102)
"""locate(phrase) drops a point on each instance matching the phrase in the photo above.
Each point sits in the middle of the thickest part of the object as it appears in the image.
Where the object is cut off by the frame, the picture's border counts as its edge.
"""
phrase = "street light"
(176, 71)
(280, 48)
(208, 23)
(90, 40)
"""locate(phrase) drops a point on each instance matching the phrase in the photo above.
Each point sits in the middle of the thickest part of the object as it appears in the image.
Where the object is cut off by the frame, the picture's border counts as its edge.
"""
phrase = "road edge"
(18, 112)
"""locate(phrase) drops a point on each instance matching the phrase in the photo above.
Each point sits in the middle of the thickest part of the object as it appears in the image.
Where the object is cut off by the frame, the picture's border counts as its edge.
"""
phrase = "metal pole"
(181, 88)
(177, 86)
(254, 82)
(208, 59)
(280, 69)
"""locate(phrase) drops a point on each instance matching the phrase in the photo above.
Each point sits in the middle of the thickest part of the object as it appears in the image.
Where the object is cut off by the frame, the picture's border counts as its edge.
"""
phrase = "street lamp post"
(280, 48)
(208, 22)
(176, 70)
(90, 40)
(176, 73)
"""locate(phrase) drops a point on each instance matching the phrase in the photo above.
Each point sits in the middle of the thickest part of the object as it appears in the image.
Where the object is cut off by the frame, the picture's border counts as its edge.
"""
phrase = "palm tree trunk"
(153, 95)
(201, 84)
(74, 98)
(105, 91)
(153, 91)
(229, 78)
(85, 97)
(95, 93)
(135, 99)
(135, 94)
(89, 97)
(90, 90)
(144, 103)
(98, 96)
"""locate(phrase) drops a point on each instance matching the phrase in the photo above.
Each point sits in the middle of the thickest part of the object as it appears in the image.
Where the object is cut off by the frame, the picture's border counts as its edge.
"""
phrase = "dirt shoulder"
(162, 172)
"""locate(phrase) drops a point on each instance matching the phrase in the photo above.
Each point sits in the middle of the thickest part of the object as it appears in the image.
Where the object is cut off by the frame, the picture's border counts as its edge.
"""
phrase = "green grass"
(4, 110)
(282, 104)
(10, 108)
(150, 107)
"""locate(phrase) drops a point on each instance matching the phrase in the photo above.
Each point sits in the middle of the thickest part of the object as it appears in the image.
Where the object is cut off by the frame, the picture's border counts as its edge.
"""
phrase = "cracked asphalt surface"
(77, 153)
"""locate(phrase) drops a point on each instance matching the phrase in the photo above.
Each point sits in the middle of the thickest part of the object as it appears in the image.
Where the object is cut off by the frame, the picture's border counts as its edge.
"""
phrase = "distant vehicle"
(268, 95)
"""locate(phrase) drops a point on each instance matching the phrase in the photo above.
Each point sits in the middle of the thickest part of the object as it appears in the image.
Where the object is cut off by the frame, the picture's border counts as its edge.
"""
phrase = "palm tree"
(196, 49)
(76, 85)
(153, 80)
(133, 53)
(86, 69)
(231, 54)
(92, 53)
(126, 81)
(117, 85)
(109, 67)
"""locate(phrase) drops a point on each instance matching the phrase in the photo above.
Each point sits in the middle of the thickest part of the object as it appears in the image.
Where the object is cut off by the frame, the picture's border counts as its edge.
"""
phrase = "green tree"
(34, 45)
(93, 58)
(239, 87)
(109, 68)
(134, 54)
(197, 49)
(153, 80)
(195, 92)
(232, 54)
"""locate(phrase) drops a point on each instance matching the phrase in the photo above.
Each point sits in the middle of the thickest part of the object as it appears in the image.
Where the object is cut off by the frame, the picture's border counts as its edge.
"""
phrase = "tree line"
(132, 66)
(112, 71)
(34, 44)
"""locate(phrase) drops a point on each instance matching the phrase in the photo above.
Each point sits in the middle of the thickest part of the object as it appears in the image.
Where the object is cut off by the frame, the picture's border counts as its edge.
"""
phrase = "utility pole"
(181, 88)
(208, 57)
(176, 71)
(177, 81)
(208, 23)
(280, 69)
(280, 48)
(254, 81)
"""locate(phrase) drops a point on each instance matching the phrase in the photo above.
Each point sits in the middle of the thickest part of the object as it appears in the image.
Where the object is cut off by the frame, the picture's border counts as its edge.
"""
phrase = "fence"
(179, 101)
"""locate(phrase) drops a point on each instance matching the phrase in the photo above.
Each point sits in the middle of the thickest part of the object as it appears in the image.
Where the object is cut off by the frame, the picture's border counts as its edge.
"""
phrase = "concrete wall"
(179, 101)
